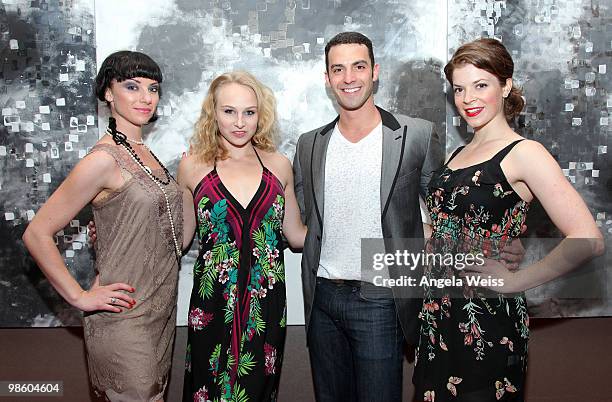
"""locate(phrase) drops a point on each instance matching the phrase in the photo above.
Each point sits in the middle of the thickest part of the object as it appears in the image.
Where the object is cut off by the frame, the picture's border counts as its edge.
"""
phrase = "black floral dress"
(473, 343)
(237, 312)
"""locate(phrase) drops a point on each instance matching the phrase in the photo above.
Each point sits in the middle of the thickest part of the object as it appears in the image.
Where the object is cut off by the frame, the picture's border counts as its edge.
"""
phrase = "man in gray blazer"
(357, 177)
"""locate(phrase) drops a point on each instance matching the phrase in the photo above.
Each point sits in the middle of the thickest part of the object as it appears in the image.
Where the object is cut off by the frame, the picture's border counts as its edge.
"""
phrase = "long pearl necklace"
(122, 139)
(163, 190)
(136, 142)
(117, 137)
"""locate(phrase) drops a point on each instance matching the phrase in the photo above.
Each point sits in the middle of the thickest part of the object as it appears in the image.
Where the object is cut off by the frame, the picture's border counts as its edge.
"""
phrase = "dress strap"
(256, 154)
(504, 151)
(455, 154)
(258, 158)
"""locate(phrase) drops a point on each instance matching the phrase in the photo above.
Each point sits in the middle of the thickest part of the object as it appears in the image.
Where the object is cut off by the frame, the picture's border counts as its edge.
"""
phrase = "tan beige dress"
(129, 353)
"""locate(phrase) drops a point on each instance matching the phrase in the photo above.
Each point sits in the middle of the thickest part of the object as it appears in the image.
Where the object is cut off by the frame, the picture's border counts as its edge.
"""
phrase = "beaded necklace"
(121, 139)
(136, 142)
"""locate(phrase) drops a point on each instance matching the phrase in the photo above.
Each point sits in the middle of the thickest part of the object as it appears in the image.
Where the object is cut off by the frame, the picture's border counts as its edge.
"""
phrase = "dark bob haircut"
(123, 65)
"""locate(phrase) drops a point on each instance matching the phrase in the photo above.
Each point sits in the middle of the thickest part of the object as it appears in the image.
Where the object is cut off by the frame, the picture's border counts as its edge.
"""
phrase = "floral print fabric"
(472, 343)
(237, 313)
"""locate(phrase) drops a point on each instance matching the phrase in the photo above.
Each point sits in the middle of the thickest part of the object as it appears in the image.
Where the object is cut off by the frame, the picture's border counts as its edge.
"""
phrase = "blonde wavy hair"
(205, 144)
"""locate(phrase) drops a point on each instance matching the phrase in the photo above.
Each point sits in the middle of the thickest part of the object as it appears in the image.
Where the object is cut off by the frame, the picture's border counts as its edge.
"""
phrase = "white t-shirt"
(352, 202)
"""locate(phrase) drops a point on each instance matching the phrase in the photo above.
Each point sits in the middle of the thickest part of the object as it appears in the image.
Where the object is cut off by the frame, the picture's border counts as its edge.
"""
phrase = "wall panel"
(49, 50)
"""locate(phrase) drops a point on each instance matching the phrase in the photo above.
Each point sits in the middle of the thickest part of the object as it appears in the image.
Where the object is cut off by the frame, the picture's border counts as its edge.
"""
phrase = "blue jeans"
(355, 343)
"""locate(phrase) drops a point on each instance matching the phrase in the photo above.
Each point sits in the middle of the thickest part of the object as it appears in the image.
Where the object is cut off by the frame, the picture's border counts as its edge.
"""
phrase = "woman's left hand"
(513, 254)
(493, 275)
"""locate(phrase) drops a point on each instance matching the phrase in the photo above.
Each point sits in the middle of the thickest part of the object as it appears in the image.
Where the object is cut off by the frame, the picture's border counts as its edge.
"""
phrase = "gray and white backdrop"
(49, 50)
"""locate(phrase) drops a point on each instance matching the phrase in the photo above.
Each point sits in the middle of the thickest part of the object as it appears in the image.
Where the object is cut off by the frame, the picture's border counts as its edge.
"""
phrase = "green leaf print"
(214, 360)
(274, 216)
(233, 276)
(225, 385)
(230, 359)
(270, 237)
(219, 252)
(273, 224)
(196, 268)
(278, 272)
(239, 394)
(246, 364)
(207, 282)
(255, 313)
(230, 304)
(229, 314)
(216, 352)
(217, 217)
(259, 237)
(219, 212)
(264, 264)
(255, 275)
(203, 202)
(260, 325)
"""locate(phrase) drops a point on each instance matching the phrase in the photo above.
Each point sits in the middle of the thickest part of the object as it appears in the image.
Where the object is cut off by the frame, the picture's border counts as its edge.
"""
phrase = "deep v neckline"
(228, 194)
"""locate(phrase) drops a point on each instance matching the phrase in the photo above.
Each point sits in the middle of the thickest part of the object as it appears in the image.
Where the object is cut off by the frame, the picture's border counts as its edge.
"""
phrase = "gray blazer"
(412, 150)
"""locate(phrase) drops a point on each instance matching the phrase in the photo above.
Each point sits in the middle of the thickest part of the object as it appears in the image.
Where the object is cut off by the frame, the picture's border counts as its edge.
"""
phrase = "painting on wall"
(47, 65)
(50, 50)
(562, 51)
(282, 43)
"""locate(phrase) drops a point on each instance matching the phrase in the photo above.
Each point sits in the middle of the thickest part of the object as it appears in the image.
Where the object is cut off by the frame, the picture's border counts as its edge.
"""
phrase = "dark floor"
(570, 361)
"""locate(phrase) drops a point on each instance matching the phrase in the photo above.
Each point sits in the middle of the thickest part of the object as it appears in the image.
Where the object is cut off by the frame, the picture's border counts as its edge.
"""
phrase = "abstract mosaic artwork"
(49, 49)
(47, 64)
(562, 52)
(282, 43)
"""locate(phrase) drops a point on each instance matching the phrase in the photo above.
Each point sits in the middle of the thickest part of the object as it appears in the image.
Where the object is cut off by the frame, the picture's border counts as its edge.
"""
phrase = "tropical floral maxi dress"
(237, 312)
(472, 342)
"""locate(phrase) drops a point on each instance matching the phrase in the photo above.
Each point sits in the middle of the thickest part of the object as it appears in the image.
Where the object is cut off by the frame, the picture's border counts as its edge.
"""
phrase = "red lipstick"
(473, 112)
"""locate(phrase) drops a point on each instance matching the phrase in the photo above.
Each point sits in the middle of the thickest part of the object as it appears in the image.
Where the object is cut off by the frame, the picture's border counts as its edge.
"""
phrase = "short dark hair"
(348, 38)
(123, 65)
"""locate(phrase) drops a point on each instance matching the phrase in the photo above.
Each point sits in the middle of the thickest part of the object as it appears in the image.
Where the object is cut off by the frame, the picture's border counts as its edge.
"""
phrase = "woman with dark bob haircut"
(130, 308)
(473, 336)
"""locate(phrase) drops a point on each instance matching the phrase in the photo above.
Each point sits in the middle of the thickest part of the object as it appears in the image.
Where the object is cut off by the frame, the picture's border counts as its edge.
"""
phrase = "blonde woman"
(245, 203)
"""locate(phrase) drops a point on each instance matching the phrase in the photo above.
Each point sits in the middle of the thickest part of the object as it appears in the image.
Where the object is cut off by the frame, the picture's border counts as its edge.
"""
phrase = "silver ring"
(113, 300)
